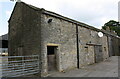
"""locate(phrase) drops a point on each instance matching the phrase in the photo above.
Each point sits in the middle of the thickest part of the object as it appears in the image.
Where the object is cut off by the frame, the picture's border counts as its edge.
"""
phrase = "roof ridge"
(66, 18)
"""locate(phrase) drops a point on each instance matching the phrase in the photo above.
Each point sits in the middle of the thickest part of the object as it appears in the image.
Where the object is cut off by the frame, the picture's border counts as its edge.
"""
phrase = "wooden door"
(98, 53)
(51, 58)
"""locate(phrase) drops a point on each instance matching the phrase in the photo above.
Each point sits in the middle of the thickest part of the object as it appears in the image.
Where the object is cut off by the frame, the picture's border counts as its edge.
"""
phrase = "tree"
(112, 26)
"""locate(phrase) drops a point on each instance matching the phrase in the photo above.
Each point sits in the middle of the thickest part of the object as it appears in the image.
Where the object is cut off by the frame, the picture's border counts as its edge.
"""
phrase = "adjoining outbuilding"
(4, 45)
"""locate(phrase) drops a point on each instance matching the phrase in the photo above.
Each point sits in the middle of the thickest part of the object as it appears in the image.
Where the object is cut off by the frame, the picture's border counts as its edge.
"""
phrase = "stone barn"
(114, 45)
(62, 43)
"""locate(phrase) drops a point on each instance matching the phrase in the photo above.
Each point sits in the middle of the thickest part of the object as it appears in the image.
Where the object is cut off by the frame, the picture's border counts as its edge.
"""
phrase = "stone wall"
(114, 46)
(88, 39)
(62, 33)
(24, 31)
(15, 29)
(104, 42)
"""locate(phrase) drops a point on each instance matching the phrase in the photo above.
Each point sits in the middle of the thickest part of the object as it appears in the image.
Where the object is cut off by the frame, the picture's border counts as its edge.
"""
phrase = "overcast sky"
(92, 12)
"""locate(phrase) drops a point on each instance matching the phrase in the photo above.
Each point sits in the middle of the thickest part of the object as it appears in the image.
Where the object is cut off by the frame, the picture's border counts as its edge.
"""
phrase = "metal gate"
(15, 66)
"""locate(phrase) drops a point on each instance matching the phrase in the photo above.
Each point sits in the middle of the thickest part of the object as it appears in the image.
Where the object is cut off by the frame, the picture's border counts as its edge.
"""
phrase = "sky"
(92, 12)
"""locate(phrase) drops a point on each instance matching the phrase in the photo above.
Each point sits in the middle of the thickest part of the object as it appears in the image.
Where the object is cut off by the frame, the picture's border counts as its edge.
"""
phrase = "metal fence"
(15, 66)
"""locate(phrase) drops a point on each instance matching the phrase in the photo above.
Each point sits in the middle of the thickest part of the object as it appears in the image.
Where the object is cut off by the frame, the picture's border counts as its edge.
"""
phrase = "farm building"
(4, 45)
(62, 43)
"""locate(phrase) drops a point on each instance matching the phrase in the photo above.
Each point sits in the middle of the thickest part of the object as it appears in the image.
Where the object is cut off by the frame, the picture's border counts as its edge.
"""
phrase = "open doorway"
(51, 58)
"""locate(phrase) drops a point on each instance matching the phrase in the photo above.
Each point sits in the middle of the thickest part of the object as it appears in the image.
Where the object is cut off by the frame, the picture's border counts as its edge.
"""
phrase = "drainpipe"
(77, 41)
(108, 46)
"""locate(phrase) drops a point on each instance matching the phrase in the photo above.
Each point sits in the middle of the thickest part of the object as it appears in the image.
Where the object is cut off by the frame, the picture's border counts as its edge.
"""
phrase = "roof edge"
(64, 18)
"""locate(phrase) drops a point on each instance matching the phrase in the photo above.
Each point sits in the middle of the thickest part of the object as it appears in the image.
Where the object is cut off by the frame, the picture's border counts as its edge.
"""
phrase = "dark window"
(50, 50)
(105, 49)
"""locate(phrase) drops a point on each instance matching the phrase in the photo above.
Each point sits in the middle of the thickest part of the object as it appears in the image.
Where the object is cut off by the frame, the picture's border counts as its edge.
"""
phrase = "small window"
(104, 48)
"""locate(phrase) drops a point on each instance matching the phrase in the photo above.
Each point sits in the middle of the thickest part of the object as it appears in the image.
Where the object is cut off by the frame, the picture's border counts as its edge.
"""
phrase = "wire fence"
(15, 66)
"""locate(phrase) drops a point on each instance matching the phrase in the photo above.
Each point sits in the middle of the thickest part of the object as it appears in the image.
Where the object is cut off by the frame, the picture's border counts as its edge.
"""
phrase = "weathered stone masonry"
(33, 31)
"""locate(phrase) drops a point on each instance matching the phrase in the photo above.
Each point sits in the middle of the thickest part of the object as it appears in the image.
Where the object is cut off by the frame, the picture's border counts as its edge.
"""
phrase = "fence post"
(23, 63)
(1, 71)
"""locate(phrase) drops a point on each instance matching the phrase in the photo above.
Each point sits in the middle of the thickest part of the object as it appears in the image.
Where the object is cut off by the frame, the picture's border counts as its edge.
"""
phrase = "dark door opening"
(51, 58)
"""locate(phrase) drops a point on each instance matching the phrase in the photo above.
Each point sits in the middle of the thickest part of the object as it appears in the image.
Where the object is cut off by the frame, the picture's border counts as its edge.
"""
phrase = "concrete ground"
(107, 68)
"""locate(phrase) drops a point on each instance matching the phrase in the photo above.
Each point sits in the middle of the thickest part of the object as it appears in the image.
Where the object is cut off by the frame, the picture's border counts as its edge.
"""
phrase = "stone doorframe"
(58, 55)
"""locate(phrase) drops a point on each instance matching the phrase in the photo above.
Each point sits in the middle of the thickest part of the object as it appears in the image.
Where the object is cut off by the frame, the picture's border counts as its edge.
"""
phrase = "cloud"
(92, 12)
(4, 0)
(8, 13)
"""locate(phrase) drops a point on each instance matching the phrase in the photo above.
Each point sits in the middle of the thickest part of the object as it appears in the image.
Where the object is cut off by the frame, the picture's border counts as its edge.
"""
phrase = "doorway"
(98, 53)
(51, 58)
